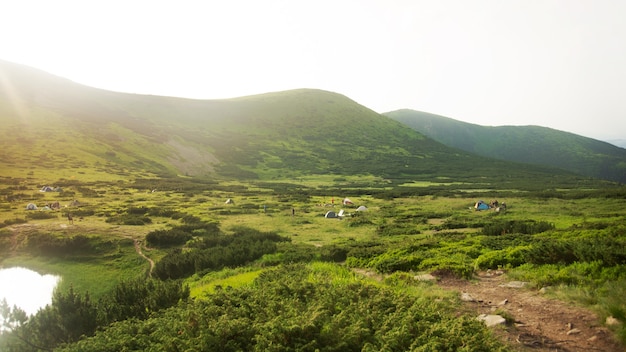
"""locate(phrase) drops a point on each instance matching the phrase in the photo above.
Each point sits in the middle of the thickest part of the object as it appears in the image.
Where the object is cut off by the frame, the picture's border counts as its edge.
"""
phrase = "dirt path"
(137, 244)
(541, 323)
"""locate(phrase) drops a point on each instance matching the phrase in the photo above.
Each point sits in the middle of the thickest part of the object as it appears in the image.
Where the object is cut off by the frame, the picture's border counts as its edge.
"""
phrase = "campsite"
(187, 225)
(386, 237)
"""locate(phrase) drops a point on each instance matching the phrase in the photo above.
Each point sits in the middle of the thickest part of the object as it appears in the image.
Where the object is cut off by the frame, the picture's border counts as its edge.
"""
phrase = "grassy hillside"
(154, 259)
(526, 144)
(58, 128)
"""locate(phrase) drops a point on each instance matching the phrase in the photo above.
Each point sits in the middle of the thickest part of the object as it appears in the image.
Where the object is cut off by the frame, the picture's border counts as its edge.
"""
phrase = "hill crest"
(526, 144)
(66, 128)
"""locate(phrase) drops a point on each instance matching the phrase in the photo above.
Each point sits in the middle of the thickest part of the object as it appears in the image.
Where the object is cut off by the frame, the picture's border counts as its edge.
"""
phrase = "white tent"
(330, 214)
(361, 208)
(229, 201)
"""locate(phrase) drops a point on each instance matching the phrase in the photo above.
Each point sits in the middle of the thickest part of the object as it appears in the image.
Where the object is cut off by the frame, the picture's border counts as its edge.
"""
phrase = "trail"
(137, 244)
(541, 323)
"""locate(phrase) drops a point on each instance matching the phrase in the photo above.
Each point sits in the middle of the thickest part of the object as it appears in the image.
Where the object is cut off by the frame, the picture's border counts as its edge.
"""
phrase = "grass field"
(397, 234)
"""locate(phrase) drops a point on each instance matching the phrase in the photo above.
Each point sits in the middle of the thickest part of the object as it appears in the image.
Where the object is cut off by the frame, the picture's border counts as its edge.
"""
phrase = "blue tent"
(480, 205)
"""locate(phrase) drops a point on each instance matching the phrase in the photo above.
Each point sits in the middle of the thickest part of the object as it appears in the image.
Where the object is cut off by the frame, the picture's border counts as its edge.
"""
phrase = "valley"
(152, 255)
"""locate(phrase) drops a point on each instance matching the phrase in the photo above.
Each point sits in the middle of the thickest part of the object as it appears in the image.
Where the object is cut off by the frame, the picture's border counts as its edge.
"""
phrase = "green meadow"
(154, 258)
(583, 230)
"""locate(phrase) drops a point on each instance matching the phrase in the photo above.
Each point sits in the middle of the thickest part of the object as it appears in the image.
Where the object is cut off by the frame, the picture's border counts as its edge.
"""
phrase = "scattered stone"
(544, 289)
(570, 326)
(490, 272)
(592, 338)
(574, 331)
(466, 297)
(610, 321)
(515, 284)
(492, 319)
(425, 277)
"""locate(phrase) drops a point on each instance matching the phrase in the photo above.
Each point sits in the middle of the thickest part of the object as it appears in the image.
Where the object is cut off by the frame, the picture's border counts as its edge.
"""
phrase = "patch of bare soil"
(541, 323)
(137, 244)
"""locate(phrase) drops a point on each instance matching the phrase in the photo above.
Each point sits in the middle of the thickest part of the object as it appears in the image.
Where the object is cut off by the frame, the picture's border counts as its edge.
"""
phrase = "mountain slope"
(61, 128)
(526, 144)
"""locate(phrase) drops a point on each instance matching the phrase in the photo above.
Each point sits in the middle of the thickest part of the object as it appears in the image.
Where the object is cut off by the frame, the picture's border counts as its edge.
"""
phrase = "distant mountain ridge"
(64, 128)
(526, 144)
(617, 142)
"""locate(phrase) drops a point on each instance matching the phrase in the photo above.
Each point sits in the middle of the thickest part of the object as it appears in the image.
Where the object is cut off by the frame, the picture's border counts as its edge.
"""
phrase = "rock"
(503, 302)
(425, 277)
(592, 338)
(515, 284)
(574, 331)
(492, 319)
(610, 321)
(466, 297)
(544, 289)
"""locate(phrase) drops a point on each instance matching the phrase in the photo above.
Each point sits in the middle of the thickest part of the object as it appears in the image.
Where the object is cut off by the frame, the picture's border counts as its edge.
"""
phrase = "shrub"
(508, 257)
(334, 253)
(41, 215)
(164, 212)
(166, 238)
(137, 210)
(9, 222)
(516, 226)
(129, 219)
(50, 245)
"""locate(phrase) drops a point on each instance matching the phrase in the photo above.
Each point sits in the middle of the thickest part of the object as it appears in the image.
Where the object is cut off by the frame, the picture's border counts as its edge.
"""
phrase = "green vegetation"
(153, 257)
(300, 308)
(572, 242)
(525, 144)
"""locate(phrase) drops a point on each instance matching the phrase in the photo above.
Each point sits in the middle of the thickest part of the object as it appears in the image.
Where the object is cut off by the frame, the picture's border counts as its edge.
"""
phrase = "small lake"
(26, 288)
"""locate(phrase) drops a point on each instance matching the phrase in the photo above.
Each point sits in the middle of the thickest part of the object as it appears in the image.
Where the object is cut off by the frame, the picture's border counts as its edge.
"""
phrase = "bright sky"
(553, 63)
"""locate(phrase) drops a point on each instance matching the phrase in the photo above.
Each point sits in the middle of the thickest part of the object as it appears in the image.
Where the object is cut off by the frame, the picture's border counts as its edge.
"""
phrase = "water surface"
(26, 288)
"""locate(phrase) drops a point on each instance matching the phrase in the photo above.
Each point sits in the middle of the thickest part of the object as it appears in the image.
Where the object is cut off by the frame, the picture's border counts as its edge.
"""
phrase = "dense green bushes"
(216, 252)
(41, 215)
(9, 222)
(295, 308)
(72, 315)
(515, 226)
(51, 245)
(166, 238)
(607, 250)
(129, 219)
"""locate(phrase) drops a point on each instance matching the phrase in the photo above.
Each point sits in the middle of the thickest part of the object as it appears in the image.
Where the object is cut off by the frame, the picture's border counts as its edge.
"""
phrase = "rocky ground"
(535, 322)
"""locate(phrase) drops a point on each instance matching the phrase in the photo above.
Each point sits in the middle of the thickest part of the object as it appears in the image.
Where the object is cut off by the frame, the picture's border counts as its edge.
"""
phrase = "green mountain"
(61, 128)
(525, 144)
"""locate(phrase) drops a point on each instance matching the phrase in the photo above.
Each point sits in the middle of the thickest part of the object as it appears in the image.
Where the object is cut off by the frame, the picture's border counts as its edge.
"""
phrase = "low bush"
(528, 227)
(129, 219)
(41, 215)
(9, 222)
(51, 245)
(167, 238)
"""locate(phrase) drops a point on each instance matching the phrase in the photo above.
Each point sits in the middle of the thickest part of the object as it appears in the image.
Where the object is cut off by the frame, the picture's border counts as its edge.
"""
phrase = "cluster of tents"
(329, 214)
(346, 201)
(494, 204)
(52, 206)
(51, 189)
